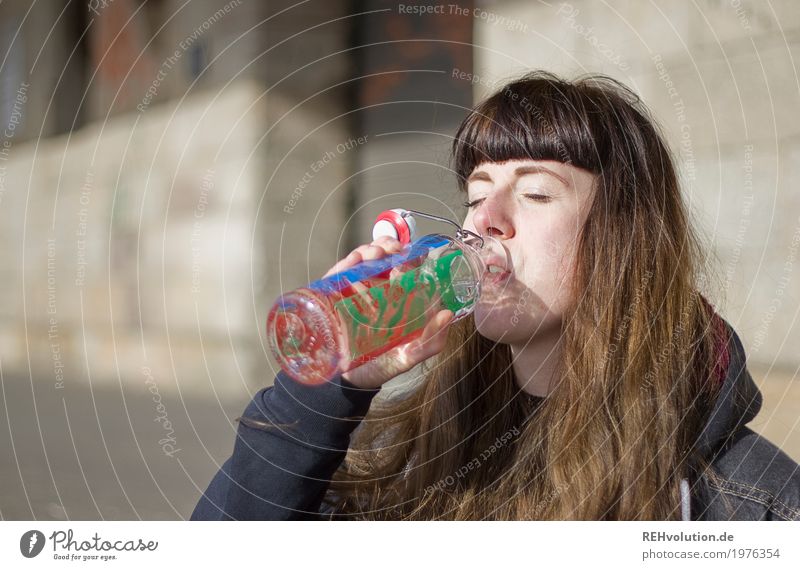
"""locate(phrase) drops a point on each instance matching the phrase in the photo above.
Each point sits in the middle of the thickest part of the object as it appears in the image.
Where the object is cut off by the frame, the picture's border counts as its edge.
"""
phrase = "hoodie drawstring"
(686, 501)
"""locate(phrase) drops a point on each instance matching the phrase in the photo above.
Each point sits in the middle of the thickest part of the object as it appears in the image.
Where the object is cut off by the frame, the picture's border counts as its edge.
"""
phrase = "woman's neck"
(536, 363)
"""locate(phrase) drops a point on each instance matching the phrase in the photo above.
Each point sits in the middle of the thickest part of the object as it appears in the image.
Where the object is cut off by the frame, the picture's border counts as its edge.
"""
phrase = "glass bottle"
(343, 321)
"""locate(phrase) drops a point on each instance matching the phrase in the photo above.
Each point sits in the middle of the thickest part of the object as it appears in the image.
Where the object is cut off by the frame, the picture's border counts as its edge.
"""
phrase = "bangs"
(544, 119)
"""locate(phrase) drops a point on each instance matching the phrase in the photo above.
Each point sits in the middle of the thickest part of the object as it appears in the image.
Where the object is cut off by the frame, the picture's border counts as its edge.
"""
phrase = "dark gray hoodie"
(755, 479)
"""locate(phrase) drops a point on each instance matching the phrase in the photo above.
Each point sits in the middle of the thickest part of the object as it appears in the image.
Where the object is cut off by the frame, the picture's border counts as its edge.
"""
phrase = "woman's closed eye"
(535, 197)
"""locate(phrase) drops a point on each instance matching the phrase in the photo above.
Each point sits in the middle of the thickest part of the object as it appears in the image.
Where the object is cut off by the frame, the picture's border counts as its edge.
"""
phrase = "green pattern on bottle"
(373, 317)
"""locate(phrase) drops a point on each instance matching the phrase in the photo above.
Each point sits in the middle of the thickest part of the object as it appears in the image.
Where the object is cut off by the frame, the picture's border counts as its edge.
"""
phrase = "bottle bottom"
(303, 334)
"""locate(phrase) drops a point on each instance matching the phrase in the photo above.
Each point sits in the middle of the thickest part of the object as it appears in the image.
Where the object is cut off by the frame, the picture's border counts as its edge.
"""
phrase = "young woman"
(595, 382)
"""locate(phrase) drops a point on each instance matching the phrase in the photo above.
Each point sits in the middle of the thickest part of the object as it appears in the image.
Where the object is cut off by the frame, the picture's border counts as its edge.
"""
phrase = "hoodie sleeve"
(281, 472)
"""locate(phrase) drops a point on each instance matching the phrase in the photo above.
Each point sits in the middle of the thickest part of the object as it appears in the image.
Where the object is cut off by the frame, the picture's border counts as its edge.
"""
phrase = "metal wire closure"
(461, 233)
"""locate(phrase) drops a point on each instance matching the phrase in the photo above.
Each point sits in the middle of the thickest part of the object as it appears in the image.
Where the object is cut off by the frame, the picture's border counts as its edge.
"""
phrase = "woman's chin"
(510, 325)
(496, 323)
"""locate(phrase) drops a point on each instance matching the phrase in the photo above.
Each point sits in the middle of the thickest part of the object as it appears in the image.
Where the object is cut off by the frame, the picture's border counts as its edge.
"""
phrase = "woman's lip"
(496, 278)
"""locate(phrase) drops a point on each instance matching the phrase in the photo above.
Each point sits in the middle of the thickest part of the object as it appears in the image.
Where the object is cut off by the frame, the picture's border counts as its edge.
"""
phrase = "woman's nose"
(492, 218)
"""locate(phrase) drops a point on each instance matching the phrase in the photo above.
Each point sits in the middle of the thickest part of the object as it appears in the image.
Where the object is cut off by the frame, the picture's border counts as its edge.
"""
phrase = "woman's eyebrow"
(523, 170)
(479, 175)
(518, 172)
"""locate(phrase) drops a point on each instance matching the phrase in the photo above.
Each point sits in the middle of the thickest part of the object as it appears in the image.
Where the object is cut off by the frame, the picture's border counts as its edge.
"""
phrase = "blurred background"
(168, 167)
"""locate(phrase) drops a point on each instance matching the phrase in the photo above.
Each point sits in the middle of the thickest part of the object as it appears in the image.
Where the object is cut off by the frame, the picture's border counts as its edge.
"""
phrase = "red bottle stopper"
(397, 223)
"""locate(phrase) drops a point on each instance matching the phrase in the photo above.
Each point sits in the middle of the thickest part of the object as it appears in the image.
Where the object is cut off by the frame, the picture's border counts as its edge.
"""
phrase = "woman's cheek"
(546, 264)
(565, 272)
(550, 273)
(552, 254)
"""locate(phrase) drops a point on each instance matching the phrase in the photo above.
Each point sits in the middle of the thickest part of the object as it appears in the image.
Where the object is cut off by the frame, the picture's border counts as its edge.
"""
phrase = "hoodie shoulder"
(754, 480)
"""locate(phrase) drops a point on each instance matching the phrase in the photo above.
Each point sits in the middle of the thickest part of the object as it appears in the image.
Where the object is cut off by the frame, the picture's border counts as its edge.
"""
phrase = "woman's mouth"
(496, 275)
(498, 264)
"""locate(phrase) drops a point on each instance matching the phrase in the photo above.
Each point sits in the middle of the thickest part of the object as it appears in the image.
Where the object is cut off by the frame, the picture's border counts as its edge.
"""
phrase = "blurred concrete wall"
(409, 104)
(151, 216)
(722, 79)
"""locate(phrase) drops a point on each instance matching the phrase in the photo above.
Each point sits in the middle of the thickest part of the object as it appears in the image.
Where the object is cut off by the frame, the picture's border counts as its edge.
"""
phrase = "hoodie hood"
(739, 399)
(738, 402)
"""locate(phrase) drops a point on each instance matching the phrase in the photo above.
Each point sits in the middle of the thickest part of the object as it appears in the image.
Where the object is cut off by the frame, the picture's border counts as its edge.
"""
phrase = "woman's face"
(535, 209)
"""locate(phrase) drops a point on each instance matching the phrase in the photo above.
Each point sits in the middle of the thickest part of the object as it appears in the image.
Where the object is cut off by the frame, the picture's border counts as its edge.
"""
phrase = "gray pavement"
(84, 453)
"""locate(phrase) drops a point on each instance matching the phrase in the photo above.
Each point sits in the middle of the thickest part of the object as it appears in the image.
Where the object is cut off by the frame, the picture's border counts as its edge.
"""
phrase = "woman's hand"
(401, 358)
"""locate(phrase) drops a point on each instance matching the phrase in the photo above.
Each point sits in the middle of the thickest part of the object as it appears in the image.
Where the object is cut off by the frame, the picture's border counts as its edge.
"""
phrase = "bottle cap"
(397, 223)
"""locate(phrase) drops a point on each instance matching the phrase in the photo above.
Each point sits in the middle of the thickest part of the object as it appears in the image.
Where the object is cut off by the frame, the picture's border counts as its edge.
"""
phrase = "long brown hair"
(618, 431)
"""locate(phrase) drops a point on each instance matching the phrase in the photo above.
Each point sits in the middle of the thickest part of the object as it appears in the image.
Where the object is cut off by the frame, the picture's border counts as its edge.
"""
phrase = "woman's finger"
(388, 243)
(375, 250)
(433, 337)
(353, 258)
